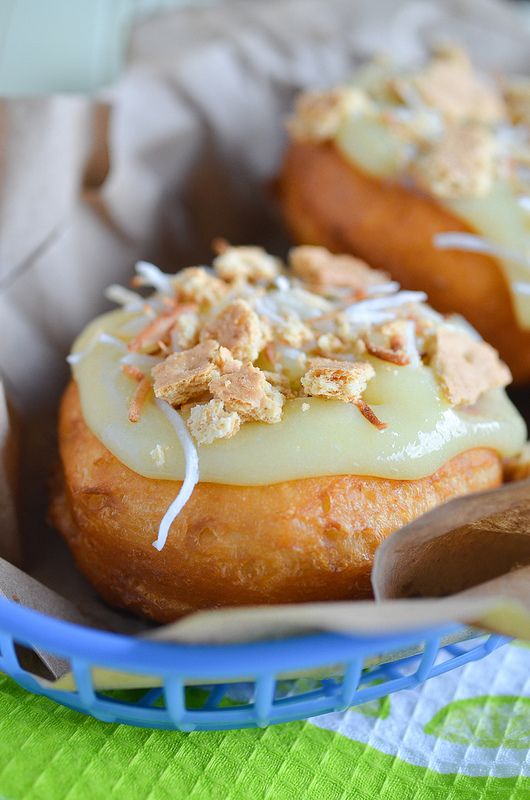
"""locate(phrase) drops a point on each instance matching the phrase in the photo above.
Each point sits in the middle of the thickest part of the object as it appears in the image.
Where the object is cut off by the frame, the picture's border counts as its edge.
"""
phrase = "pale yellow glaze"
(330, 438)
(370, 145)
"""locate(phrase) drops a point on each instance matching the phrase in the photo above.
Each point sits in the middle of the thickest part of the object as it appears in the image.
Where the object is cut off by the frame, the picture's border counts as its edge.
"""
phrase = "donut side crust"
(302, 540)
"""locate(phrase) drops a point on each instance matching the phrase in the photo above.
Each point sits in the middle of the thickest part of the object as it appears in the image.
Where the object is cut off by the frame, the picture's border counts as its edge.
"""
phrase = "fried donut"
(328, 201)
(303, 469)
(300, 540)
(455, 180)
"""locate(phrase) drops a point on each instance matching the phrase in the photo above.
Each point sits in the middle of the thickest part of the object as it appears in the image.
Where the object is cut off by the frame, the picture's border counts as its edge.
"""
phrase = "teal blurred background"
(68, 45)
(50, 46)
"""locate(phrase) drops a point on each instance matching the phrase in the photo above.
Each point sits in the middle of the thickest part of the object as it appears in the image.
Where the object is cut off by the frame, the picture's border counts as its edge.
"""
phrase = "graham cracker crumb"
(462, 163)
(338, 380)
(329, 345)
(293, 332)
(248, 393)
(197, 285)
(185, 376)
(185, 330)
(238, 328)
(466, 368)
(318, 267)
(451, 85)
(226, 361)
(211, 421)
(318, 115)
(280, 382)
(250, 264)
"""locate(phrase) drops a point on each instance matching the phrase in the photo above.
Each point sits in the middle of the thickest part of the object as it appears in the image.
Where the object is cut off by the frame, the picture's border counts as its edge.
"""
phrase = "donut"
(266, 428)
(423, 174)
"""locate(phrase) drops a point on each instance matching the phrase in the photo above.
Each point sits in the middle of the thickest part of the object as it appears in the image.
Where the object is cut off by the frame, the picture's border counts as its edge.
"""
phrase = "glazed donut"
(382, 167)
(306, 462)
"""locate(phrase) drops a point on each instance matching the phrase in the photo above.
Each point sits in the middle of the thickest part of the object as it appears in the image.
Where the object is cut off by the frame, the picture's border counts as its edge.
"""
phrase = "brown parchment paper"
(185, 148)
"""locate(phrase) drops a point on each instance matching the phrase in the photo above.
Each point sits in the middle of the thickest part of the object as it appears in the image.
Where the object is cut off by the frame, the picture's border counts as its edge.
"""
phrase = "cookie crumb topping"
(450, 85)
(466, 368)
(238, 328)
(319, 114)
(268, 334)
(456, 129)
(210, 421)
(337, 380)
(463, 163)
(320, 269)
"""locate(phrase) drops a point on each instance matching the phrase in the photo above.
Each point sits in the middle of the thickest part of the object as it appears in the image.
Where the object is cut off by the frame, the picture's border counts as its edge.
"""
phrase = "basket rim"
(115, 650)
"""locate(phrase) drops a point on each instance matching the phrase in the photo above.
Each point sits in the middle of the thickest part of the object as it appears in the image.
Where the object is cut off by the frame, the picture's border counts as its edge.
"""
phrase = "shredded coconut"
(131, 301)
(390, 287)
(149, 275)
(282, 283)
(521, 287)
(105, 338)
(191, 472)
(477, 244)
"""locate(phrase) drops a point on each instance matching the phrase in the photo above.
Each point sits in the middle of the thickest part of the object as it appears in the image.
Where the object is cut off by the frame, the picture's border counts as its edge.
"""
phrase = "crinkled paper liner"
(185, 148)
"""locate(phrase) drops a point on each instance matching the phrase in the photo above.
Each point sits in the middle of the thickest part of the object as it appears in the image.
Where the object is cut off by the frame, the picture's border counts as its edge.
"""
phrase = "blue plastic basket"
(216, 687)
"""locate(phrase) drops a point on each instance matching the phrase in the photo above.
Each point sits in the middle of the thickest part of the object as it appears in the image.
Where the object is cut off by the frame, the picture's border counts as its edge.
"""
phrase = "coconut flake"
(140, 360)
(267, 309)
(131, 301)
(103, 338)
(476, 244)
(521, 287)
(524, 202)
(460, 323)
(411, 348)
(153, 276)
(191, 472)
(371, 307)
(282, 283)
(391, 287)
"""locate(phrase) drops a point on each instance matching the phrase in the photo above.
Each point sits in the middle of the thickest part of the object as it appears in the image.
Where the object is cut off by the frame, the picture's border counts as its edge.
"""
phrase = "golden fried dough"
(302, 540)
(328, 201)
